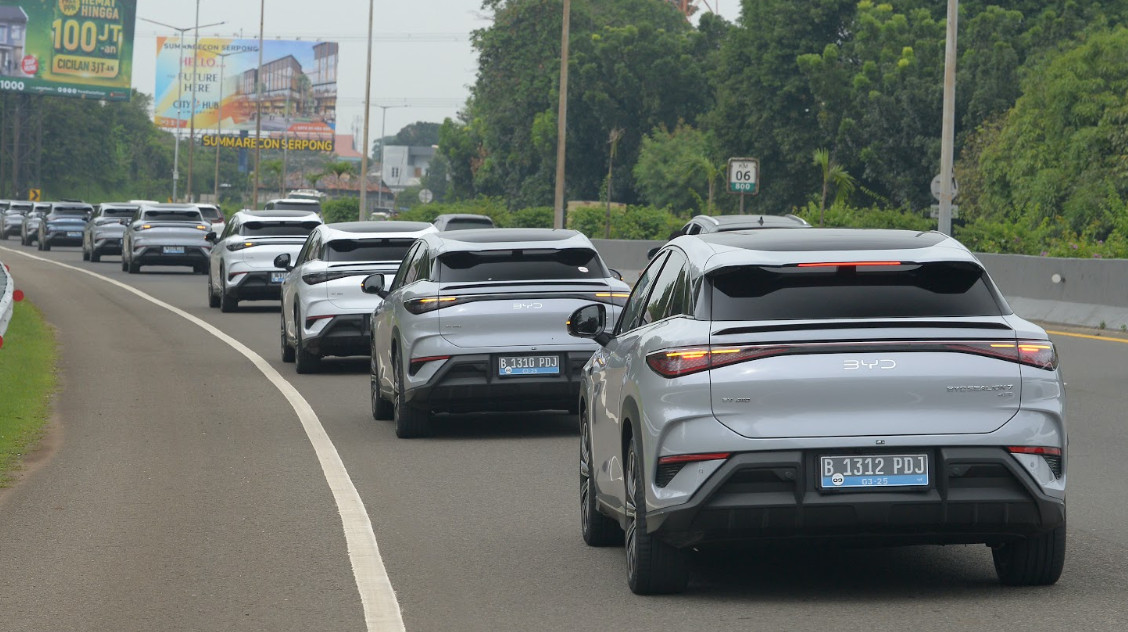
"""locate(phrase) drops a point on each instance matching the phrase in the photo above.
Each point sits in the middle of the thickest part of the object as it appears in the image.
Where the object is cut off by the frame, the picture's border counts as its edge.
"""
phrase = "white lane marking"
(381, 609)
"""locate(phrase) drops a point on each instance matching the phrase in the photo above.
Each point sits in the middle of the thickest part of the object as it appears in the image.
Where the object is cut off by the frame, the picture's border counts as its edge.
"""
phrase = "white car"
(242, 261)
(214, 215)
(324, 310)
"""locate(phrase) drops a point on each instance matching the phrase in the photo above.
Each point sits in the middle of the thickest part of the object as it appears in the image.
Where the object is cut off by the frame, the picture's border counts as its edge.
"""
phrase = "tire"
(653, 566)
(1034, 561)
(227, 303)
(134, 268)
(287, 350)
(381, 408)
(124, 265)
(596, 528)
(85, 254)
(304, 361)
(213, 300)
(95, 257)
(411, 422)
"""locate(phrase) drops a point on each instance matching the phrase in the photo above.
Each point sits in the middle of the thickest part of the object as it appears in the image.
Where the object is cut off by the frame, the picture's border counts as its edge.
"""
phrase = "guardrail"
(1082, 292)
(7, 288)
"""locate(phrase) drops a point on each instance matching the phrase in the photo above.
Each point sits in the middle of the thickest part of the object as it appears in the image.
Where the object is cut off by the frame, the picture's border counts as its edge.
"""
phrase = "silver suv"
(241, 266)
(324, 311)
(472, 322)
(846, 385)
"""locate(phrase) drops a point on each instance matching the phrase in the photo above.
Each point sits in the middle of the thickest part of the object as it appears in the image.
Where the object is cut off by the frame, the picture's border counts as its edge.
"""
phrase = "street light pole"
(258, 106)
(195, 79)
(562, 118)
(947, 132)
(363, 212)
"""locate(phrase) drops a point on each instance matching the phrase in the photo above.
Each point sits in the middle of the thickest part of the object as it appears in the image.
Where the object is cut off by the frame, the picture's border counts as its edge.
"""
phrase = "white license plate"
(74, 235)
(873, 470)
(173, 250)
(277, 277)
(528, 365)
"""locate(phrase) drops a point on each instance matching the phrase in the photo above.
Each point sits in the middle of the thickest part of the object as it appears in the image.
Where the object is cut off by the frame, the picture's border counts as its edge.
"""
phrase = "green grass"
(27, 381)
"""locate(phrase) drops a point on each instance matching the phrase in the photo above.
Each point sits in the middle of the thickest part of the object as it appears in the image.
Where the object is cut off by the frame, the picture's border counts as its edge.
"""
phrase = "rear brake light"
(1039, 354)
(240, 245)
(234, 275)
(417, 363)
(840, 264)
(1051, 455)
(314, 278)
(678, 362)
(669, 466)
(310, 320)
(430, 303)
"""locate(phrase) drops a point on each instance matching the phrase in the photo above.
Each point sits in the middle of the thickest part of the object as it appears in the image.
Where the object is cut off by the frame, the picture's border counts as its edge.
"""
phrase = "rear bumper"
(256, 286)
(153, 256)
(978, 495)
(61, 239)
(470, 383)
(107, 246)
(344, 335)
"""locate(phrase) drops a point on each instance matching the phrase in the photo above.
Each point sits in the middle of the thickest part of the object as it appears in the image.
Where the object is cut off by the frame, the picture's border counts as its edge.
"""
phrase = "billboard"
(74, 48)
(298, 95)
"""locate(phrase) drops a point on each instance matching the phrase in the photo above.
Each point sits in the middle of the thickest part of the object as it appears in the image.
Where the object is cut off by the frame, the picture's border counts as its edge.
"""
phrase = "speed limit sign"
(744, 175)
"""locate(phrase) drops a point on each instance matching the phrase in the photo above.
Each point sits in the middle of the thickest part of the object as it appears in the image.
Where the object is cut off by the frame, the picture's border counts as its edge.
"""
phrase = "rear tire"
(381, 408)
(85, 254)
(95, 257)
(124, 264)
(227, 303)
(411, 422)
(213, 300)
(287, 350)
(134, 268)
(304, 361)
(1035, 561)
(653, 566)
(597, 529)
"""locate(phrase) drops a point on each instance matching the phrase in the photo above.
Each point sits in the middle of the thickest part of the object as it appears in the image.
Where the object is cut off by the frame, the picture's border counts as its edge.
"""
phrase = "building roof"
(9, 13)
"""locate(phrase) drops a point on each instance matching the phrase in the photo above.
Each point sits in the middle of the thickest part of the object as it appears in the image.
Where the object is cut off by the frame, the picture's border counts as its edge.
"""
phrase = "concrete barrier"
(1084, 292)
(7, 286)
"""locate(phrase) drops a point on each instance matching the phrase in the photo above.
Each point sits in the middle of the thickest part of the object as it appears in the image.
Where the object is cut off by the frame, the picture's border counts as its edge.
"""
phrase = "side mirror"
(653, 251)
(211, 236)
(283, 261)
(615, 273)
(589, 322)
(374, 284)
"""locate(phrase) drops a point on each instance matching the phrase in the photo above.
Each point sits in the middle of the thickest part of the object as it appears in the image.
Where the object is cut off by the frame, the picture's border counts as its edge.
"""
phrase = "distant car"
(294, 204)
(705, 224)
(473, 322)
(242, 258)
(324, 311)
(166, 235)
(215, 216)
(29, 229)
(63, 225)
(462, 221)
(823, 385)
(104, 231)
(12, 220)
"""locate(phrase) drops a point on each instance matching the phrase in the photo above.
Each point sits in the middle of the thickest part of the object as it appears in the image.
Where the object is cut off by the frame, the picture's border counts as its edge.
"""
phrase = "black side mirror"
(374, 284)
(282, 261)
(615, 273)
(589, 322)
(653, 251)
(211, 236)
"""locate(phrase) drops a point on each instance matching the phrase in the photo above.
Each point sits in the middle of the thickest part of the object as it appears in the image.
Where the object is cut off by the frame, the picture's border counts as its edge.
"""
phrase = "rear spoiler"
(866, 324)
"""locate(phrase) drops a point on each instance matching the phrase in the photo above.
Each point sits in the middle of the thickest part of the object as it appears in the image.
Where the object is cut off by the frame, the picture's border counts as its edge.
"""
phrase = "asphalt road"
(184, 495)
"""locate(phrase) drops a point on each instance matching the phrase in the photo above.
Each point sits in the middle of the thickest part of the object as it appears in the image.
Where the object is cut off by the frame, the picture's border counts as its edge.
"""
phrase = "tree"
(418, 134)
(832, 174)
(675, 169)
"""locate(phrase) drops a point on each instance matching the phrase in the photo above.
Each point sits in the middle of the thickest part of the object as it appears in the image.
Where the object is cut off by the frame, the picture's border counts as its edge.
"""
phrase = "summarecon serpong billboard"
(74, 48)
(298, 95)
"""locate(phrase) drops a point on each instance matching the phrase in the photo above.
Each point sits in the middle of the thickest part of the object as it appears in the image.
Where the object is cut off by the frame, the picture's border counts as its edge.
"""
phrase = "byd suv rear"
(855, 386)
(471, 323)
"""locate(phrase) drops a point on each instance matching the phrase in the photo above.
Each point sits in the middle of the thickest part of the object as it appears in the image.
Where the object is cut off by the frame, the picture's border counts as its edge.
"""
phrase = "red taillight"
(417, 363)
(1027, 449)
(310, 320)
(693, 458)
(1040, 353)
(234, 275)
(678, 362)
(840, 264)
(430, 303)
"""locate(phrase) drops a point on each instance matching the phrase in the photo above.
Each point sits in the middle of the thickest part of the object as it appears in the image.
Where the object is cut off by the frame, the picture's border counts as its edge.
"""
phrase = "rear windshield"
(23, 208)
(71, 212)
(277, 229)
(118, 212)
(521, 265)
(210, 213)
(901, 291)
(172, 216)
(313, 207)
(342, 250)
(463, 224)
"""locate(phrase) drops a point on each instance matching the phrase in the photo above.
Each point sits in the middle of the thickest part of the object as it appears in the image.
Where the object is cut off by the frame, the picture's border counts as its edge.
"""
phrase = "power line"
(414, 38)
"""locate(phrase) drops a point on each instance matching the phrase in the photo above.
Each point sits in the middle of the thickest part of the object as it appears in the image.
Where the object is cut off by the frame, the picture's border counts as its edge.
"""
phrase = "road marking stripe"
(381, 609)
(1090, 337)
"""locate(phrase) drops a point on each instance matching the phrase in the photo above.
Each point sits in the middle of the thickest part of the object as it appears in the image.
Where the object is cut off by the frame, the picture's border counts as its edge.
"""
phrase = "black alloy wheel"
(287, 350)
(596, 528)
(411, 422)
(381, 408)
(653, 566)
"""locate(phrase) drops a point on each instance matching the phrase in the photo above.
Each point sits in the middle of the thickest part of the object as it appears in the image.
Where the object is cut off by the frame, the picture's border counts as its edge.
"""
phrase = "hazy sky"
(421, 50)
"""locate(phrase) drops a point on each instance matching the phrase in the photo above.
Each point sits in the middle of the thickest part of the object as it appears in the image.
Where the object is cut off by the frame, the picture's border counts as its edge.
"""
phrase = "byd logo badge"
(855, 365)
(527, 305)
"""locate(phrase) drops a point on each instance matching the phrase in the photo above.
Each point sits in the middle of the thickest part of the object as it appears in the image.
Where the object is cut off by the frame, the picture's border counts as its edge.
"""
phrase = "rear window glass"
(520, 265)
(904, 291)
(342, 250)
(71, 212)
(210, 213)
(277, 229)
(118, 212)
(463, 224)
(313, 207)
(172, 216)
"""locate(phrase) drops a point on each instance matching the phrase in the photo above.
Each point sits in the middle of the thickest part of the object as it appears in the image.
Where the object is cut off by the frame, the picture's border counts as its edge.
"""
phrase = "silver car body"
(779, 350)
(13, 218)
(473, 322)
(462, 221)
(63, 225)
(242, 260)
(166, 235)
(104, 231)
(214, 215)
(29, 229)
(324, 311)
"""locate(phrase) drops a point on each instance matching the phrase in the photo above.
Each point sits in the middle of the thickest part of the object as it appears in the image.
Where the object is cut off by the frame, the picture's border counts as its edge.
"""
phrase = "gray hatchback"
(846, 385)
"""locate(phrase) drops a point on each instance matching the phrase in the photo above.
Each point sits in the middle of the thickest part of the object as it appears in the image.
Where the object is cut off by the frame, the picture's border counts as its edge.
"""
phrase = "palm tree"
(832, 173)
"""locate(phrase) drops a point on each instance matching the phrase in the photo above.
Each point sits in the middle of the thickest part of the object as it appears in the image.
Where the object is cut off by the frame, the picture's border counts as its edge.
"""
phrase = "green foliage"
(634, 222)
(418, 134)
(341, 210)
(494, 208)
(845, 216)
(675, 169)
(27, 380)
(535, 217)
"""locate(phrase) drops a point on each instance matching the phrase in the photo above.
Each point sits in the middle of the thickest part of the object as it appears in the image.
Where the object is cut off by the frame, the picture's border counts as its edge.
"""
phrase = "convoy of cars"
(863, 387)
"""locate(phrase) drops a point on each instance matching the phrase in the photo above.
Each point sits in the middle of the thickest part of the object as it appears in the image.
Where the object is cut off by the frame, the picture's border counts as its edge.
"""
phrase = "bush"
(843, 216)
(341, 210)
(536, 217)
(634, 222)
(494, 208)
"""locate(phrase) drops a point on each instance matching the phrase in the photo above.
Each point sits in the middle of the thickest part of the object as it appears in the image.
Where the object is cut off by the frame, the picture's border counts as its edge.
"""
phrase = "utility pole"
(363, 211)
(562, 118)
(258, 105)
(195, 79)
(947, 133)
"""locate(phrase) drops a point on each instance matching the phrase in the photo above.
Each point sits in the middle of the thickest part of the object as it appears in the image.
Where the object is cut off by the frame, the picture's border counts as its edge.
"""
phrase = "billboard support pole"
(363, 211)
(258, 105)
(192, 114)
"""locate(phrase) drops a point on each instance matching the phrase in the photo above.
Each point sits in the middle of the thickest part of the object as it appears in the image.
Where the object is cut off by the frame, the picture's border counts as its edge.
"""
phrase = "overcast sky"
(422, 57)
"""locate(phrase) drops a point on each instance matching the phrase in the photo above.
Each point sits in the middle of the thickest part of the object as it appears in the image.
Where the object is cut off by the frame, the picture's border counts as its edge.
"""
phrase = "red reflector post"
(18, 296)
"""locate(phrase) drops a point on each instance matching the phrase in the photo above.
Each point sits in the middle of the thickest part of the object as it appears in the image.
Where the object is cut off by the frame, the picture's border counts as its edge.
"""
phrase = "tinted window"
(70, 212)
(277, 229)
(368, 249)
(210, 213)
(172, 216)
(521, 265)
(405, 266)
(118, 212)
(905, 291)
(313, 207)
(637, 300)
(465, 223)
(665, 286)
